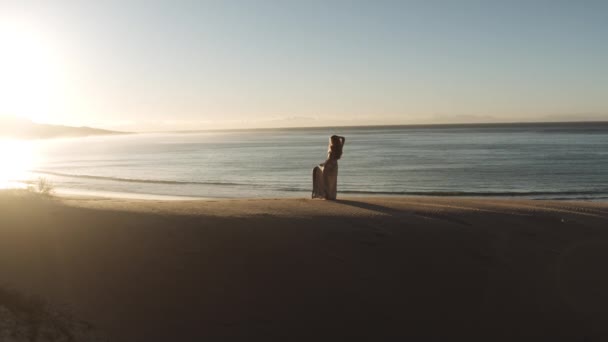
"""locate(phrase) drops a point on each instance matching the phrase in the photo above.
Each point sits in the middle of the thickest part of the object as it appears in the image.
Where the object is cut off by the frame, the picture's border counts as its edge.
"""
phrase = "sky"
(174, 65)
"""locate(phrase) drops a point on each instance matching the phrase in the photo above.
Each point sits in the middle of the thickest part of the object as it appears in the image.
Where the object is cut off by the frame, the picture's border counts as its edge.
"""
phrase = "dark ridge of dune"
(25, 129)
(27, 318)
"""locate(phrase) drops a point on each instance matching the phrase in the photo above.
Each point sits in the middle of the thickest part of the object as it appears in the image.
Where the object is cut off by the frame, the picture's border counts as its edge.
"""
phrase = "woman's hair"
(335, 147)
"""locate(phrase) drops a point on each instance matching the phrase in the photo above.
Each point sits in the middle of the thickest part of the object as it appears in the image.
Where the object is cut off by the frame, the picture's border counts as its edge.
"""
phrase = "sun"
(31, 72)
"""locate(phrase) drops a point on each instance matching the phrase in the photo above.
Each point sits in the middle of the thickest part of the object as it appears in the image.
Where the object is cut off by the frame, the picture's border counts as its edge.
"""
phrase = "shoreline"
(534, 196)
(76, 193)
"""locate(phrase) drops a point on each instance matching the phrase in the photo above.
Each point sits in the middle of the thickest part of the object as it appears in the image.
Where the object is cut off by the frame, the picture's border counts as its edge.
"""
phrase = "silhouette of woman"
(325, 176)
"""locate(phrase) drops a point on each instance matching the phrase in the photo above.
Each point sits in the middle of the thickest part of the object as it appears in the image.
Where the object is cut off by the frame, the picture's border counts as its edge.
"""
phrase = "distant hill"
(25, 129)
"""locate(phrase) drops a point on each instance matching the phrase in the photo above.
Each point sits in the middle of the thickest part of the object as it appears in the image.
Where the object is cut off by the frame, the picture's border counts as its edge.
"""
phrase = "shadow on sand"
(369, 206)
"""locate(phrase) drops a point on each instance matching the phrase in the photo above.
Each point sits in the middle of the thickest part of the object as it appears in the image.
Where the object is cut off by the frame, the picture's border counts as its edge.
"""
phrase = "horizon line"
(427, 125)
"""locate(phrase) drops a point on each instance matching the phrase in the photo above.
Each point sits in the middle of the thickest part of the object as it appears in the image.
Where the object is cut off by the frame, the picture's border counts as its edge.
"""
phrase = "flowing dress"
(325, 176)
(325, 180)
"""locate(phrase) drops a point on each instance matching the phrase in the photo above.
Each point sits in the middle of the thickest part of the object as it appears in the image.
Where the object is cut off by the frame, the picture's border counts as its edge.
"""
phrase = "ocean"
(537, 161)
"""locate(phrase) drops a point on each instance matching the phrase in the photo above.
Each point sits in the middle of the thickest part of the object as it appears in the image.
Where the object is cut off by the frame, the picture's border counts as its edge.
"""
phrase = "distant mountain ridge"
(26, 129)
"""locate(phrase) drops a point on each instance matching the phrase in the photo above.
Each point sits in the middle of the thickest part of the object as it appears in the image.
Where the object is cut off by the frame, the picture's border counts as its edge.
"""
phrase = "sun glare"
(16, 158)
(30, 72)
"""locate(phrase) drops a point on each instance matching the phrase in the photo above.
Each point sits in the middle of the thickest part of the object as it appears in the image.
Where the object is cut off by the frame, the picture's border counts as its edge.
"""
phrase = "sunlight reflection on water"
(17, 157)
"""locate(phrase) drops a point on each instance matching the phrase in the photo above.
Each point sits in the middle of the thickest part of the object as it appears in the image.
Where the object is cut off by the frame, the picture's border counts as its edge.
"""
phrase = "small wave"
(466, 193)
(545, 194)
(133, 180)
(479, 194)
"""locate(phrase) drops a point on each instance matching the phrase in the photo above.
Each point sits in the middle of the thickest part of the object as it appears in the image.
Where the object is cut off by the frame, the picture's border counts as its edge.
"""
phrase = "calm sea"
(554, 161)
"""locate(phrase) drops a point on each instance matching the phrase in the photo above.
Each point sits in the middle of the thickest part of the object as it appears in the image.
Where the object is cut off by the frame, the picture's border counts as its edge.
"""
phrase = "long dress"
(325, 180)
(325, 176)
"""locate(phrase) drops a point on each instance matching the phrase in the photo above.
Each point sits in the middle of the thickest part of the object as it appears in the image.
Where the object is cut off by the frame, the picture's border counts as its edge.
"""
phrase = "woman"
(325, 176)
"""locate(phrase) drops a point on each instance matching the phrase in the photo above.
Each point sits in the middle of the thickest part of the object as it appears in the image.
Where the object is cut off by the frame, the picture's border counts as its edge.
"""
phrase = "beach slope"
(297, 269)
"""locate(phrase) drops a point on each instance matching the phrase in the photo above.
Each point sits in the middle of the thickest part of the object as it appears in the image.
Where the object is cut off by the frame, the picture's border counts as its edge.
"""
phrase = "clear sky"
(165, 65)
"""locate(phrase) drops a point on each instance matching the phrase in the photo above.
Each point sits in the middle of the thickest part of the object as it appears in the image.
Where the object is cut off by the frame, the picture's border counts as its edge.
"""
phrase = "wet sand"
(298, 269)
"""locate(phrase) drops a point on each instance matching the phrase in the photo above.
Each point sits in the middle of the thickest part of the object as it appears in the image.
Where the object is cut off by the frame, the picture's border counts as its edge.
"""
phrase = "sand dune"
(296, 269)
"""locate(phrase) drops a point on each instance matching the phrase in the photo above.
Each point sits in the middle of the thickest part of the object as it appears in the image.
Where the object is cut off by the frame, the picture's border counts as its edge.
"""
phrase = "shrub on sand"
(42, 186)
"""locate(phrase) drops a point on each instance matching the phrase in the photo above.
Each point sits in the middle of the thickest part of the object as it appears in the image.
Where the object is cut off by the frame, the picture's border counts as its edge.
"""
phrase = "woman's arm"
(342, 140)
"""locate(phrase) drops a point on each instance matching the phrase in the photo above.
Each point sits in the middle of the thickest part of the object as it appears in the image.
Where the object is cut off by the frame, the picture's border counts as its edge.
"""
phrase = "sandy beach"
(298, 269)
